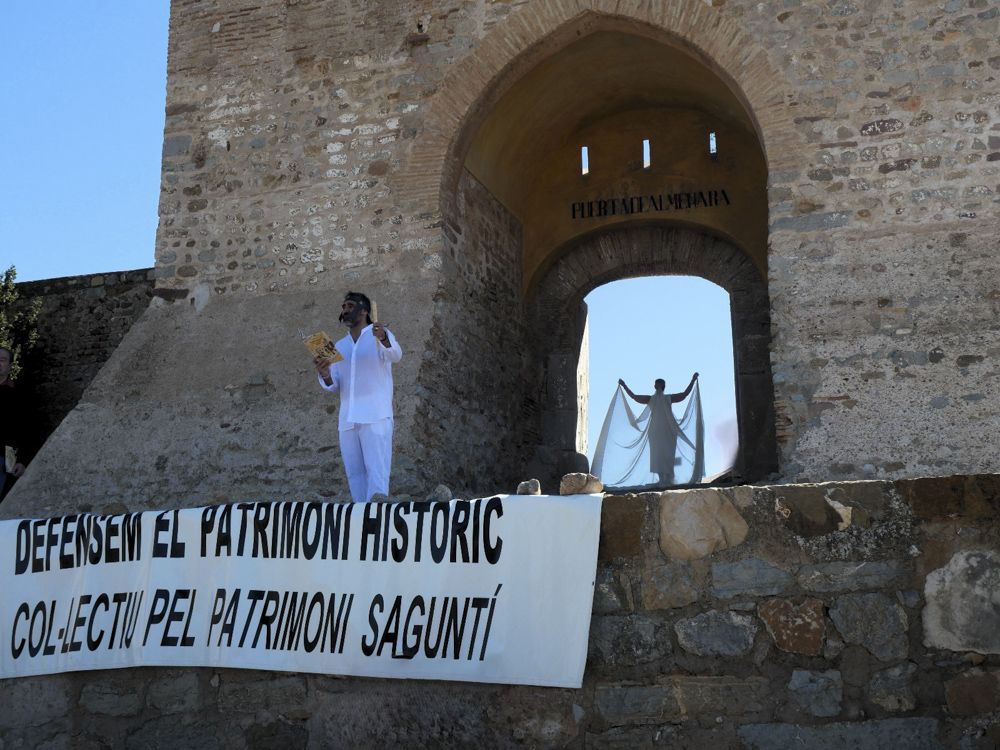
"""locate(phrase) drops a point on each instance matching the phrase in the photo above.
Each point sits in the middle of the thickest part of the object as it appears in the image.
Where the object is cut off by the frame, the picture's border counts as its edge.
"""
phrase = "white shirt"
(364, 378)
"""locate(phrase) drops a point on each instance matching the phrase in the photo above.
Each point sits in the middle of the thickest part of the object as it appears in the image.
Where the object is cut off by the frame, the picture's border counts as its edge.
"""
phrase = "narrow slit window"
(646, 160)
(712, 148)
(584, 160)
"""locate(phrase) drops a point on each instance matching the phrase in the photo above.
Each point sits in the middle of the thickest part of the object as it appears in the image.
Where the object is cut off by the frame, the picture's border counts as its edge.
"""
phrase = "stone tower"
(429, 154)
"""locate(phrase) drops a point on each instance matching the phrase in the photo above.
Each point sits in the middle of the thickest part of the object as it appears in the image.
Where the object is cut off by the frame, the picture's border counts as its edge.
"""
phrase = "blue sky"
(664, 327)
(83, 86)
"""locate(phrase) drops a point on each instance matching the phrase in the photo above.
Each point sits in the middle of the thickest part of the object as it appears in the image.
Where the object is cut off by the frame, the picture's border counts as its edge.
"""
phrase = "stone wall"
(317, 146)
(82, 320)
(836, 615)
(476, 309)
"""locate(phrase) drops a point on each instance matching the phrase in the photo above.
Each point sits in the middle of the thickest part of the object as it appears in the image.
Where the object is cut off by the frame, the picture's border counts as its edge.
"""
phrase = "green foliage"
(18, 320)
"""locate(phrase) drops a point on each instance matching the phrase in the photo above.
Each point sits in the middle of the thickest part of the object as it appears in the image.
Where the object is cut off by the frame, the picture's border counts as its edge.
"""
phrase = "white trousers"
(367, 453)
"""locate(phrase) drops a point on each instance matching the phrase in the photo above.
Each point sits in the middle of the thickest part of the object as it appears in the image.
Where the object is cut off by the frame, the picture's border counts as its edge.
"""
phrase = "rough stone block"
(621, 527)
(817, 693)
(238, 691)
(610, 592)
(750, 577)
(874, 621)
(807, 511)
(173, 695)
(852, 576)
(892, 688)
(166, 733)
(973, 692)
(579, 483)
(440, 494)
(935, 498)
(624, 703)
(33, 701)
(912, 734)
(962, 601)
(796, 627)
(529, 487)
(279, 735)
(627, 640)
(113, 696)
(696, 523)
(723, 695)
(715, 633)
(868, 499)
(668, 586)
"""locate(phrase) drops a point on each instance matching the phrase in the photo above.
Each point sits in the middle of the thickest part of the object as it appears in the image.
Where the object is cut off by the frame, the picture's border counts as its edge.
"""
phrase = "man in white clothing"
(364, 379)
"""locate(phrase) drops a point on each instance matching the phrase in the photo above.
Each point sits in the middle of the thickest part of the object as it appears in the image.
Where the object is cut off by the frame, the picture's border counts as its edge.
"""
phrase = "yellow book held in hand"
(321, 345)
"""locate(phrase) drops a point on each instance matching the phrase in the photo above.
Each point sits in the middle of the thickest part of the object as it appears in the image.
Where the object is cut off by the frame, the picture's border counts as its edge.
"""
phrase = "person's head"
(6, 359)
(659, 384)
(354, 306)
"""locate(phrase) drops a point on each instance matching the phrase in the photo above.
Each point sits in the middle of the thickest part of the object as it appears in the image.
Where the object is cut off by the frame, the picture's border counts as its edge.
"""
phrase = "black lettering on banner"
(399, 544)
(454, 629)
(459, 523)
(245, 509)
(439, 627)
(253, 596)
(224, 536)
(178, 613)
(278, 530)
(418, 541)
(411, 650)
(73, 644)
(128, 619)
(158, 610)
(438, 549)
(311, 530)
(371, 530)
(23, 547)
(160, 524)
(208, 526)
(94, 643)
(337, 530)
(39, 629)
(224, 615)
(175, 547)
(68, 526)
(36, 639)
(72, 541)
(267, 616)
(288, 617)
(369, 648)
(261, 514)
(489, 621)
(431, 651)
(492, 548)
(307, 641)
(296, 616)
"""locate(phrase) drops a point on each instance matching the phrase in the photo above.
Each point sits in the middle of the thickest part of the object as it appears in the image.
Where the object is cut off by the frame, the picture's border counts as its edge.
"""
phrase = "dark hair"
(10, 352)
(660, 380)
(362, 301)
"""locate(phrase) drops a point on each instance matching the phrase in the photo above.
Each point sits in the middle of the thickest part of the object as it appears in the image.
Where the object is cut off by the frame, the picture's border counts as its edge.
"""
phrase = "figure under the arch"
(653, 449)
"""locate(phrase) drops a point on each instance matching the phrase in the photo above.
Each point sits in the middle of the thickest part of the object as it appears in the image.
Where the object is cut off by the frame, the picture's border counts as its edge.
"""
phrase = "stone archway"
(493, 167)
(539, 29)
(557, 317)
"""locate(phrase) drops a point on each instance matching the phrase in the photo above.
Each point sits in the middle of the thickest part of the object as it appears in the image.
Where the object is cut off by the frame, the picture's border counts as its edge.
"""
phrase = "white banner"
(492, 590)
